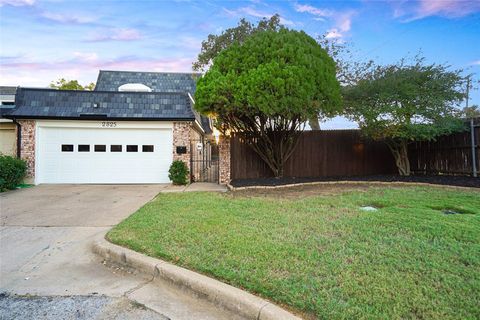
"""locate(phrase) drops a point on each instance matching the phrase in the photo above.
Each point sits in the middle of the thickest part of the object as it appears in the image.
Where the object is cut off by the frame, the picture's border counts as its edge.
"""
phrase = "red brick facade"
(224, 159)
(183, 134)
(27, 149)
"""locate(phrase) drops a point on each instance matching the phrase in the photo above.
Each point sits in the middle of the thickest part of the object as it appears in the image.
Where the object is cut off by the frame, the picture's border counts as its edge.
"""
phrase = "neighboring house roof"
(157, 81)
(5, 110)
(7, 90)
(70, 104)
(7, 94)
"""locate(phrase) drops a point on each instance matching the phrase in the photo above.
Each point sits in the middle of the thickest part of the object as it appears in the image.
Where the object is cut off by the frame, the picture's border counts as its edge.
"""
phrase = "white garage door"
(103, 155)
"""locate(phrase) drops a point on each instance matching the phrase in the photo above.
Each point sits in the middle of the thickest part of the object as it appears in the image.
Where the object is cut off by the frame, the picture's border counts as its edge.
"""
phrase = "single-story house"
(128, 130)
(8, 138)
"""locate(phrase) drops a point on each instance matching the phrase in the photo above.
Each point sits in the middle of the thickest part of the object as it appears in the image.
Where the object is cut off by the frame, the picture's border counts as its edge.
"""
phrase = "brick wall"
(27, 150)
(224, 159)
(181, 138)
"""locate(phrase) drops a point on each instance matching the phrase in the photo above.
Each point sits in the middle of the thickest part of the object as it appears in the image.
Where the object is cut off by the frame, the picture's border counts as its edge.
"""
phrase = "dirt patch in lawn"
(298, 192)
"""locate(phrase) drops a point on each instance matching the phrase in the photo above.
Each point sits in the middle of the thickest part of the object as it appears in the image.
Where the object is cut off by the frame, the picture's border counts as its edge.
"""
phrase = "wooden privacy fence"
(346, 153)
(450, 154)
(318, 154)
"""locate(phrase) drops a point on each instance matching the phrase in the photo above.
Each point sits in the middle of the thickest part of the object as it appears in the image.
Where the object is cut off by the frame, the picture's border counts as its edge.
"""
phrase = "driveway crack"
(137, 287)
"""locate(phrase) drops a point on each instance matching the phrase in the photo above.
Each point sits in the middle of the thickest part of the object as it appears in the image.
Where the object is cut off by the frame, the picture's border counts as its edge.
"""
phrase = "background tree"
(402, 103)
(471, 112)
(265, 88)
(217, 43)
(62, 84)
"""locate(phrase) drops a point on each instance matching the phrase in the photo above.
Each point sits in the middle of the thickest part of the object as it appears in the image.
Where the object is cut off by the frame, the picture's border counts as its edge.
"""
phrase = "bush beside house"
(178, 173)
(12, 172)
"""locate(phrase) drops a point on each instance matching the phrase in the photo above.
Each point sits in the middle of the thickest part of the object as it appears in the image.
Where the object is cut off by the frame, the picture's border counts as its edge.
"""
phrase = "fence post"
(474, 153)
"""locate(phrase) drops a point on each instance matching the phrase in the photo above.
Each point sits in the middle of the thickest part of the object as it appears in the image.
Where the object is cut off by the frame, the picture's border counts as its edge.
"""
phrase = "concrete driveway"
(45, 246)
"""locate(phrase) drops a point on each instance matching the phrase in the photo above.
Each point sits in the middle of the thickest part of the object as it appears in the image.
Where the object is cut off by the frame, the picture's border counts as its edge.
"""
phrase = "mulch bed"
(460, 181)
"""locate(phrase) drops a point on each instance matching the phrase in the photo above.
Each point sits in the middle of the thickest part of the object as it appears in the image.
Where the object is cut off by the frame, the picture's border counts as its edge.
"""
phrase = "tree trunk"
(400, 153)
(314, 124)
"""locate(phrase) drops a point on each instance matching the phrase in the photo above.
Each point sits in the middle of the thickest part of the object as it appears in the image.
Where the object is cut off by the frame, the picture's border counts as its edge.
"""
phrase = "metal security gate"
(204, 161)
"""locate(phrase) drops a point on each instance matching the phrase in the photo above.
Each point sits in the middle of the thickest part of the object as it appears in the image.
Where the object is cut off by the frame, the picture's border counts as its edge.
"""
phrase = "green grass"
(24, 185)
(323, 256)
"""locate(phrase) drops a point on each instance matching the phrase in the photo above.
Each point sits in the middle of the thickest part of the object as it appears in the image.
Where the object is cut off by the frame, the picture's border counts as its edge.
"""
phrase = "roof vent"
(134, 87)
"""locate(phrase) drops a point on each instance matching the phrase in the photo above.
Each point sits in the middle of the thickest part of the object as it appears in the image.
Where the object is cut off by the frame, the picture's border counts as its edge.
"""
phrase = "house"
(128, 130)
(7, 127)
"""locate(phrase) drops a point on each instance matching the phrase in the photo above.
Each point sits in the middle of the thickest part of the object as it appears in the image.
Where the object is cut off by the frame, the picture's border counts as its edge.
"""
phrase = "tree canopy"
(62, 84)
(403, 103)
(265, 88)
(216, 43)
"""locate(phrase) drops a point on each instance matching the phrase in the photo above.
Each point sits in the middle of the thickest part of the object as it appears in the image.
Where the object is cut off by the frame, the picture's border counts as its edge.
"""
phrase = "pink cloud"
(442, 8)
(82, 66)
(342, 20)
(448, 8)
(67, 18)
(17, 3)
(319, 12)
(116, 34)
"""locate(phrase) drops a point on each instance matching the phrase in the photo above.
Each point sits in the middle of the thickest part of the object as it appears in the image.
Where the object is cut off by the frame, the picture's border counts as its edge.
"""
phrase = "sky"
(41, 41)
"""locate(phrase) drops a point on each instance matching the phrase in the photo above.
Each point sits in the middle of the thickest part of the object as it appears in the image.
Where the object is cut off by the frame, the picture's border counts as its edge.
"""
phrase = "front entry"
(204, 162)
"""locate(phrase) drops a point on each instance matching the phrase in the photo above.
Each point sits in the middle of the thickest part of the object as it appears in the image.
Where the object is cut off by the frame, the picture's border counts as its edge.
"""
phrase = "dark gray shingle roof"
(51, 103)
(157, 81)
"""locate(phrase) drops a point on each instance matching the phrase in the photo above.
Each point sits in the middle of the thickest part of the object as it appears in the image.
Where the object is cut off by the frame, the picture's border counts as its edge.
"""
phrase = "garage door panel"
(55, 166)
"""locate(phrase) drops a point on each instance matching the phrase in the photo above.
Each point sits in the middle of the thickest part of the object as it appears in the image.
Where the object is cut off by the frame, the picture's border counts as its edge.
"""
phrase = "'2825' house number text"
(109, 124)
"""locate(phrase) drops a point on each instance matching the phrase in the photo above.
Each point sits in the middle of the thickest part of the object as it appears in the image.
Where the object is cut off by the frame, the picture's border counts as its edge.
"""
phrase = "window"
(134, 87)
(83, 148)
(100, 148)
(147, 148)
(132, 148)
(8, 103)
(67, 147)
(116, 148)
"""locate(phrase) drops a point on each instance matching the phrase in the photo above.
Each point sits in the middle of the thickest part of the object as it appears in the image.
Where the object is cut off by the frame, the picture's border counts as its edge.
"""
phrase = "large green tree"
(404, 103)
(62, 84)
(266, 88)
(214, 44)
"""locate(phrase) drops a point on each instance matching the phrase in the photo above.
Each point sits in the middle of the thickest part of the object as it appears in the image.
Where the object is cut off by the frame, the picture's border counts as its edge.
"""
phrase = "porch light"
(216, 134)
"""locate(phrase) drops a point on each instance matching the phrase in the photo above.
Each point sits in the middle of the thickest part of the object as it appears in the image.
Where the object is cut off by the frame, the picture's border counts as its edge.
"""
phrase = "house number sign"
(109, 124)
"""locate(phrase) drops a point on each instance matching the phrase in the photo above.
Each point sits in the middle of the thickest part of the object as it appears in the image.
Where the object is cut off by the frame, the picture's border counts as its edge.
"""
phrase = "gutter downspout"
(19, 137)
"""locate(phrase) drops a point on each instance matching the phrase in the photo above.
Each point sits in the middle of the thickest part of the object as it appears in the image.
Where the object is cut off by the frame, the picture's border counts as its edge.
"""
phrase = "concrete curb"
(216, 292)
(380, 183)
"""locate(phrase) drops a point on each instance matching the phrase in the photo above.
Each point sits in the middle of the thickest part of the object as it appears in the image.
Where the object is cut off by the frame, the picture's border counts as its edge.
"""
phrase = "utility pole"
(468, 91)
(472, 132)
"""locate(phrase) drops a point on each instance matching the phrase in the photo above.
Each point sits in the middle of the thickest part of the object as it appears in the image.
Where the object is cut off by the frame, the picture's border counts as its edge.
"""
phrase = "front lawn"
(319, 254)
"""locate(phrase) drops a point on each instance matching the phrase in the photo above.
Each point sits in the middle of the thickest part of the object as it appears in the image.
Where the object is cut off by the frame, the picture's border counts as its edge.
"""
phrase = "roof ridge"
(105, 91)
(158, 72)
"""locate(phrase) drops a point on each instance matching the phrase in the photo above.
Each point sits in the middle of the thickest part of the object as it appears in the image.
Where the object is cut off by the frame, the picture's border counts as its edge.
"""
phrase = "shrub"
(178, 172)
(12, 172)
